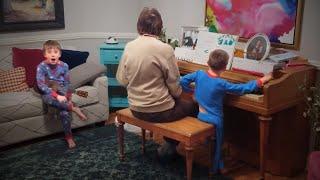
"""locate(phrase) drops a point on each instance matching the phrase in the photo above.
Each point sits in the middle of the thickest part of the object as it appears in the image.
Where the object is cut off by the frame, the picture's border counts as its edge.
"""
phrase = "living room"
(87, 24)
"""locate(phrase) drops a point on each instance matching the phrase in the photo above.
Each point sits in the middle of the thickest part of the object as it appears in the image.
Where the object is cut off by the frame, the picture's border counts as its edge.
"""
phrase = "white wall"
(88, 22)
(94, 16)
(178, 13)
(310, 35)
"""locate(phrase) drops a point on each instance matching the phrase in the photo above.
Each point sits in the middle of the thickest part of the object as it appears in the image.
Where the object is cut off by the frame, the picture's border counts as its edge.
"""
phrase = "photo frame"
(24, 15)
(190, 35)
(257, 47)
(279, 20)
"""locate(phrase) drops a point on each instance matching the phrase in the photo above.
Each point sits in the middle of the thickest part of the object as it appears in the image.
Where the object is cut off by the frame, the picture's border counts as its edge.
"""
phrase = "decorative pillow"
(29, 59)
(74, 58)
(13, 80)
(85, 73)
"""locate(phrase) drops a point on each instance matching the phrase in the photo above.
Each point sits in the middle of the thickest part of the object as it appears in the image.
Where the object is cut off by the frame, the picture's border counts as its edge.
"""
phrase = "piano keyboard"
(255, 97)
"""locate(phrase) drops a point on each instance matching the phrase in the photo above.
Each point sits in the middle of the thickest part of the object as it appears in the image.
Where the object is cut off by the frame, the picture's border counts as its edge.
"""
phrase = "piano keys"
(267, 130)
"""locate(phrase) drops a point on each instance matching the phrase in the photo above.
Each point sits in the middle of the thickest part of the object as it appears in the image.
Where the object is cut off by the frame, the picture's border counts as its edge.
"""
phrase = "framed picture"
(190, 35)
(22, 15)
(280, 20)
(258, 47)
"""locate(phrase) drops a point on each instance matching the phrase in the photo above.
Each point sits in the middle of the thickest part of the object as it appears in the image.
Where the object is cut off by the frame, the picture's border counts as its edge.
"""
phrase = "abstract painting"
(280, 20)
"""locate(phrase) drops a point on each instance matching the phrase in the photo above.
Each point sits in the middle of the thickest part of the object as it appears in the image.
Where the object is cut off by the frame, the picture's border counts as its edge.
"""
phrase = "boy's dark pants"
(181, 109)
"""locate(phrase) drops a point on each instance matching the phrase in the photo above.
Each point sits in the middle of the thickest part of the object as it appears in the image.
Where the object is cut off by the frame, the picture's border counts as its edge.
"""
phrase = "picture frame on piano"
(189, 35)
(258, 47)
(280, 20)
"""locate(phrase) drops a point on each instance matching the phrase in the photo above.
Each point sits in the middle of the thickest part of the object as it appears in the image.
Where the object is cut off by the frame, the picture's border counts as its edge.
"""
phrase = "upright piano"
(267, 129)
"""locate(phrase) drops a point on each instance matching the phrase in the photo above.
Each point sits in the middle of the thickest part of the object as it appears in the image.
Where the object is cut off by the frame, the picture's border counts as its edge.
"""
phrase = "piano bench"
(190, 131)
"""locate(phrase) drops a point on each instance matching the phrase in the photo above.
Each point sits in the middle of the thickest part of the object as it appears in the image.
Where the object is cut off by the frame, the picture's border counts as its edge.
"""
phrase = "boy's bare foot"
(78, 111)
(71, 143)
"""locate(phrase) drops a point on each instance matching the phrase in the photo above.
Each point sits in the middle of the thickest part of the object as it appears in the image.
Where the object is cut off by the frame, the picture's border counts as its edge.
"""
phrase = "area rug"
(95, 157)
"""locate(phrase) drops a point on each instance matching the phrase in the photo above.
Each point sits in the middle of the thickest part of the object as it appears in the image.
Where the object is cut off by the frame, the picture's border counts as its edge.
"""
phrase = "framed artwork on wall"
(280, 20)
(23, 15)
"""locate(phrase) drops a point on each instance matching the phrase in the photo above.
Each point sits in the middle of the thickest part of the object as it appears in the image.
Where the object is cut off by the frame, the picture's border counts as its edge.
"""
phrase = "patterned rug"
(95, 157)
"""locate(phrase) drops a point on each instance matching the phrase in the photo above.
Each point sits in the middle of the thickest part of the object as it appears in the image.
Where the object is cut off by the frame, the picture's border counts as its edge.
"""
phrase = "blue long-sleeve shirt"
(209, 93)
(58, 73)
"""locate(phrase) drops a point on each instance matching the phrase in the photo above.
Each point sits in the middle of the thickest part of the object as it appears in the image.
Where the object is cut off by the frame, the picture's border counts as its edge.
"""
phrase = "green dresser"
(110, 55)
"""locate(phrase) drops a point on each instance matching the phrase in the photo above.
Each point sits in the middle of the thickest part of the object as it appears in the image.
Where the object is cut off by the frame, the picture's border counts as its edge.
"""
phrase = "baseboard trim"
(66, 36)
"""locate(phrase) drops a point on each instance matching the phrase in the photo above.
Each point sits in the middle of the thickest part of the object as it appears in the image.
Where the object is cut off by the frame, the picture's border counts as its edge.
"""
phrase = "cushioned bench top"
(187, 127)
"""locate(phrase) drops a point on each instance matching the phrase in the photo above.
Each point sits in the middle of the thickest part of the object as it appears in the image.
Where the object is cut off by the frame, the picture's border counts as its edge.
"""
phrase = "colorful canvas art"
(279, 19)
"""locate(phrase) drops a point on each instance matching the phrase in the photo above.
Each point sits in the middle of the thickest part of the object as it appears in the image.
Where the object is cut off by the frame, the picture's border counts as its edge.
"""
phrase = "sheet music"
(185, 54)
(208, 42)
(263, 67)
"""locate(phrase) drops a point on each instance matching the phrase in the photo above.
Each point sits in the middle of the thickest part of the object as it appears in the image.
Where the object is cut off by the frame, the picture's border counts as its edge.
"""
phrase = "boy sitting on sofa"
(53, 82)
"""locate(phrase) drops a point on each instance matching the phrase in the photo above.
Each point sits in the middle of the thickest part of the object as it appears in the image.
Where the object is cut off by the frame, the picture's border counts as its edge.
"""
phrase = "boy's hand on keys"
(266, 78)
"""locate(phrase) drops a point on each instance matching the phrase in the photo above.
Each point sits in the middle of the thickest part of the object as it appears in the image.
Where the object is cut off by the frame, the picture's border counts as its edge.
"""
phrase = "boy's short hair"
(218, 59)
(51, 44)
(149, 22)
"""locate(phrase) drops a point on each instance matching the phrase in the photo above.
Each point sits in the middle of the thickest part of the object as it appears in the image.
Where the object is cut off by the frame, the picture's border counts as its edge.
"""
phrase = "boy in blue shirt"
(53, 82)
(209, 92)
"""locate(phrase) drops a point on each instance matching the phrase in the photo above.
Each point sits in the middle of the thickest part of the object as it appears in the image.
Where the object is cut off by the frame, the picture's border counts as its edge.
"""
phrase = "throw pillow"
(74, 58)
(13, 80)
(85, 73)
(29, 59)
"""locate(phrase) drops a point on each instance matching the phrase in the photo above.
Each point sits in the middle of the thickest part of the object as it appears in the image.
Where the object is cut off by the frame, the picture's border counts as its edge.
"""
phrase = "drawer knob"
(116, 57)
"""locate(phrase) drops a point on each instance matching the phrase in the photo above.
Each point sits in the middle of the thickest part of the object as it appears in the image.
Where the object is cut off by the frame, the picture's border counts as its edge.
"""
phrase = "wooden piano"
(267, 129)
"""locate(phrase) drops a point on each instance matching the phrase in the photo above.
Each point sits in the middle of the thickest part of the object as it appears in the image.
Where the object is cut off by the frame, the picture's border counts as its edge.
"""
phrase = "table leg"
(189, 161)
(120, 131)
(264, 138)
(143, 132)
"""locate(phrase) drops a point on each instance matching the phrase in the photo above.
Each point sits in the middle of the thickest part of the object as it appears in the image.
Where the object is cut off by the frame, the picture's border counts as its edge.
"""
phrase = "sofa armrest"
(101, 83)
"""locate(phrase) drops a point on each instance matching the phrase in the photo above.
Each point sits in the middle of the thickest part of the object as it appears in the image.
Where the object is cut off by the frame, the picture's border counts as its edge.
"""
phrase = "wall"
(310, 35)
(179, 13)
(88, 22)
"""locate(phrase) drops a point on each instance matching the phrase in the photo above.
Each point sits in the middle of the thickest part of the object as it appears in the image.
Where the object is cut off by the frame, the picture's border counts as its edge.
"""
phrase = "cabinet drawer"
(110, 56)
(118, 102)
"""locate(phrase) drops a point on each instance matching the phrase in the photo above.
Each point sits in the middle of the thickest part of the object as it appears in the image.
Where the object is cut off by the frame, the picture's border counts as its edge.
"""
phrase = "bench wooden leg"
(120, 131)
(189, 161)
(143, 132)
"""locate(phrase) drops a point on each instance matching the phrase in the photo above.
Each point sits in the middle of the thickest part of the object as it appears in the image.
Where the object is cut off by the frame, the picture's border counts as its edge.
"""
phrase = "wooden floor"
(237, 170)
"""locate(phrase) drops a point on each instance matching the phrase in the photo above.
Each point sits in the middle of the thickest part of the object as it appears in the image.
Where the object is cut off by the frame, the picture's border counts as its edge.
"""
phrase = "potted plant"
(312, 113)
(172, 42)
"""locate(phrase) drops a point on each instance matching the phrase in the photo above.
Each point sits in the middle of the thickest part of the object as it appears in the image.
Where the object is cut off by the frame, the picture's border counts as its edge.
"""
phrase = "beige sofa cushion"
(85, 73)
(91, 99)
(19, 105)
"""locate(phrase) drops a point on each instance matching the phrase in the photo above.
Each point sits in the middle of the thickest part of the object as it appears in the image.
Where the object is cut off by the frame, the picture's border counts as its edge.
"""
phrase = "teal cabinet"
(110, 55)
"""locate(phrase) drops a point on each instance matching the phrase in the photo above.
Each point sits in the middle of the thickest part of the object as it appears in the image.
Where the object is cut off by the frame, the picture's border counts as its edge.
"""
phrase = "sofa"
(23, 116)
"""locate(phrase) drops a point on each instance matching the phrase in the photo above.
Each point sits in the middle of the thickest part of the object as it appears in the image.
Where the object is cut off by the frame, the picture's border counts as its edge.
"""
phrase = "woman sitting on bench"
(149, 71)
